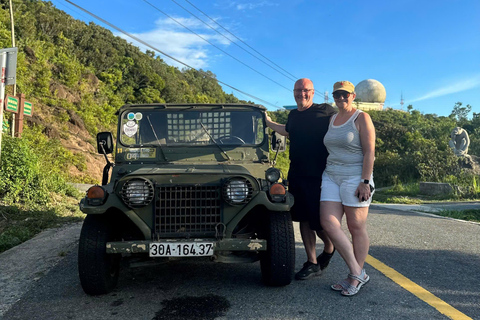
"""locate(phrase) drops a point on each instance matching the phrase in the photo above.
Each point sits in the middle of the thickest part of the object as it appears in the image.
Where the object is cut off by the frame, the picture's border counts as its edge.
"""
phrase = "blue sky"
(427, 51)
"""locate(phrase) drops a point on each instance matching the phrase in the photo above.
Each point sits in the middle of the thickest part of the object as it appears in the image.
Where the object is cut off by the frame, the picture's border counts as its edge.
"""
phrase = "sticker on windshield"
(140, 153)
(132, 153)
(130, 128)
(138, 116)
(148, 153)
(131, 116)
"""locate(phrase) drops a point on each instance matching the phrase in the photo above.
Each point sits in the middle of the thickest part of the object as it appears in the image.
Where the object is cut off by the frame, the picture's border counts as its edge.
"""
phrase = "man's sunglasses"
(345, 95)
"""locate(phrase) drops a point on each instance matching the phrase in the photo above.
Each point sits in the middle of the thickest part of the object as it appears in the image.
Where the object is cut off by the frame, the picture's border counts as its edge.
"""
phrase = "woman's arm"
(367, 139)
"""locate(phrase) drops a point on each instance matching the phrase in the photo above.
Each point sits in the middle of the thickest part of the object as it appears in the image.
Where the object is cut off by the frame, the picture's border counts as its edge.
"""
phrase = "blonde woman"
(347, 184)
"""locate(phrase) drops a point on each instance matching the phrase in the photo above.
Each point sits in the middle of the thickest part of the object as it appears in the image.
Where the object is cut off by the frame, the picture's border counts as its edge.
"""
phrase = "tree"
(461, 113)
(279, 116)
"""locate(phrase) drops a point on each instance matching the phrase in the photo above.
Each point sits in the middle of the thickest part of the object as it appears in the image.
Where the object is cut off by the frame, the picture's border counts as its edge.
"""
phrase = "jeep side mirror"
(104, 142)
(278, 142)
(105, 146)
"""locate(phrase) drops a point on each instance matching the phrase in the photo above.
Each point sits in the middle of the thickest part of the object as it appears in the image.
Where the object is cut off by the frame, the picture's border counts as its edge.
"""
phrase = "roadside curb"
(426, 210)
(26, 263)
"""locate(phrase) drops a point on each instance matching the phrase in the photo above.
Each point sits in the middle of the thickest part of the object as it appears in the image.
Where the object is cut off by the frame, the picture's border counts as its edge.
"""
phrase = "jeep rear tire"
(98, 270)
(278, 262)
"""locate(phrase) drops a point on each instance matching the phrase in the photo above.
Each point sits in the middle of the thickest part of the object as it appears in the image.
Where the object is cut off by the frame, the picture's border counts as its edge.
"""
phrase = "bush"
(32, 167)
(20, 177)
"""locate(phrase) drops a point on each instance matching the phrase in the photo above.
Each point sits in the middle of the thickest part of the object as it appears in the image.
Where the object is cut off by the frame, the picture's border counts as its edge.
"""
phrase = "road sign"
(11, 65)
(27, 108)
(11, 104)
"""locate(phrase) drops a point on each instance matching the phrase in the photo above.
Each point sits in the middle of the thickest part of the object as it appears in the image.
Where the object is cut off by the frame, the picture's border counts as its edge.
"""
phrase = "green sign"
(12, 104)
(27, 108)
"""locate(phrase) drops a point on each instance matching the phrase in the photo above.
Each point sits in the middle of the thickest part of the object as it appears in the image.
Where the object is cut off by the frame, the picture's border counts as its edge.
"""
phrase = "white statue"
(459, 141)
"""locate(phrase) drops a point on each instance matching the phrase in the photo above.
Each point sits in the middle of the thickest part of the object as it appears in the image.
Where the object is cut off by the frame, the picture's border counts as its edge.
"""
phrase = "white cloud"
(247, 5)
(167, 23)
(253, 5)
(178, 42)
(459, 86)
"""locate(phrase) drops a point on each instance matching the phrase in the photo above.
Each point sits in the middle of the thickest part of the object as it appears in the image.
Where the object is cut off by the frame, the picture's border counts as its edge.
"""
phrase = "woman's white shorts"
(342, 189)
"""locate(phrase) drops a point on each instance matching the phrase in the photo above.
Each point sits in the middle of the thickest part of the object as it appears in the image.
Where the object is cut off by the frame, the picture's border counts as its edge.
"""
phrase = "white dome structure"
(371, 91)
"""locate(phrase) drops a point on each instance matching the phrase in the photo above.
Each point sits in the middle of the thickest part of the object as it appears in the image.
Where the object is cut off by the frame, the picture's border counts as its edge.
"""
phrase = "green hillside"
(78, 74)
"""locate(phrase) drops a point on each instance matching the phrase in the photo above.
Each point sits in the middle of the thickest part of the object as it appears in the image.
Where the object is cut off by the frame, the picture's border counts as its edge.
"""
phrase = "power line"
(283, 74)
(246, 65)
(59, 3)
(294, 77)
(167, 55)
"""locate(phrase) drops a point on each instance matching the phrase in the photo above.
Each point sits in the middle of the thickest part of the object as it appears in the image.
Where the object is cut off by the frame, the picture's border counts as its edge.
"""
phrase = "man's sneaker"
(309, 270)
(324, 259)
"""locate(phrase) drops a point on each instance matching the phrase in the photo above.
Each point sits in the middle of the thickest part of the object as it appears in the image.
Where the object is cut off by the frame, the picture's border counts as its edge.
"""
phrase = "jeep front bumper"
(129, 247)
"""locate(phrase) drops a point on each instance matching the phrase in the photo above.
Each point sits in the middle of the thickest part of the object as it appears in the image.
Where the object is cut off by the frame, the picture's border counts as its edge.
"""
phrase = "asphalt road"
(421, 267)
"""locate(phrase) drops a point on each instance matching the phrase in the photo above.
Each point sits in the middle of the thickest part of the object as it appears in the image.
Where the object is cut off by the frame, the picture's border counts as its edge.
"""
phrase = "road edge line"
(417, 290)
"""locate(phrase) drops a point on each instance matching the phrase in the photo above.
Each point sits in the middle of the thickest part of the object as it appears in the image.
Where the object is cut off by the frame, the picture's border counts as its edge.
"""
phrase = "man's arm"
(277, 127)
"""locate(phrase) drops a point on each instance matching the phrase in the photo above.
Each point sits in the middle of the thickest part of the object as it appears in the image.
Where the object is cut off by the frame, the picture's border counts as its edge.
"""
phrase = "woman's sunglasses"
(345, 95)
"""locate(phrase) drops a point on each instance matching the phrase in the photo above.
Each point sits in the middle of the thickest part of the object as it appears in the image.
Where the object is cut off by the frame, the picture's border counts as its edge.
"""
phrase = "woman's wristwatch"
(366, 181)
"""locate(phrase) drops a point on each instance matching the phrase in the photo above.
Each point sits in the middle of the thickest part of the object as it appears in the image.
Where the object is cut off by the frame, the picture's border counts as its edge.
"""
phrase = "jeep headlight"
(237, 191)
(137, 192)
(272, 175)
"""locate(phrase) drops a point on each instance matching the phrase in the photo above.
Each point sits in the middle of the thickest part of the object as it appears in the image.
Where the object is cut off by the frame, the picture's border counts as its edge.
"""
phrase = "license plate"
(181, 249)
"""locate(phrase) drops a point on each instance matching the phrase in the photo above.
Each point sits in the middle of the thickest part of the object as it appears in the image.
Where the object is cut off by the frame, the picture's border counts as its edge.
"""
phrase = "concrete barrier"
(435, 188)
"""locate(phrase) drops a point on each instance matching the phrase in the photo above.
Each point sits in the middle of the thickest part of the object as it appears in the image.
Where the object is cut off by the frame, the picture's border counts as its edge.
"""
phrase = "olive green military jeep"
(188, 181)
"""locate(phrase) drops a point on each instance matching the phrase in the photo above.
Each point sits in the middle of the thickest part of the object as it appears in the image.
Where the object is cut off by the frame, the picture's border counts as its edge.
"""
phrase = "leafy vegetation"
(468, 215)
(34, 191)
(33, 166)
(413, 147)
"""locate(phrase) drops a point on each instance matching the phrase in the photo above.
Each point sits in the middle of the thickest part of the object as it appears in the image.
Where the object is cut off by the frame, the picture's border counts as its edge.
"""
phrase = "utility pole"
(3, 63)
(15, 84)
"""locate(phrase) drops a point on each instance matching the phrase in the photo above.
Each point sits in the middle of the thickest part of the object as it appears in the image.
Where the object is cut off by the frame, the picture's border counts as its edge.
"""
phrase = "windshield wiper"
(158, 141)
(211, 138)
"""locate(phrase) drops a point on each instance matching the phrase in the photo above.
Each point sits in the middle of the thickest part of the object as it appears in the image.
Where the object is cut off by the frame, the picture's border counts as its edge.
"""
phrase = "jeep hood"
(191, 169)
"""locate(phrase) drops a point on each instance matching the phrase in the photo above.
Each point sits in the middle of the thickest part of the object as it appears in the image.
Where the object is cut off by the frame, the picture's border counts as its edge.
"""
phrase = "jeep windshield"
(191, 127)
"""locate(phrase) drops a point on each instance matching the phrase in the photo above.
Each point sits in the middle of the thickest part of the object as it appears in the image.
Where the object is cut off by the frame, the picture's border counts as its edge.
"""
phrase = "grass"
(410, 194)
(468, 215)
(20, 222)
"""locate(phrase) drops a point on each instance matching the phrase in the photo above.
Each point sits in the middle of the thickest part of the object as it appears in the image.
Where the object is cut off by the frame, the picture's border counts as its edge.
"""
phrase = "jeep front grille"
(186, 211)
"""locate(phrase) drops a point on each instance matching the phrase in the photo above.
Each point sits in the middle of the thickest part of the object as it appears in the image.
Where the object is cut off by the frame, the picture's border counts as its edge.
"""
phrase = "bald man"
(306, 126)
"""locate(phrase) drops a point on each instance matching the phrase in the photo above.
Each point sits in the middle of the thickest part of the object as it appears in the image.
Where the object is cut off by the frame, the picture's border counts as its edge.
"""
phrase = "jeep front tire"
(278, 262)
(98, 270)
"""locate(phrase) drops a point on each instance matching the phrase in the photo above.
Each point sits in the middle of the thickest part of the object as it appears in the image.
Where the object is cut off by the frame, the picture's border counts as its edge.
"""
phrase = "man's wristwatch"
(366, 181)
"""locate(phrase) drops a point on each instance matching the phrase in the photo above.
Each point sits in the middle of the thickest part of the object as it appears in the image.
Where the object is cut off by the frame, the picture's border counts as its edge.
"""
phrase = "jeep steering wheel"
(231, 138)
